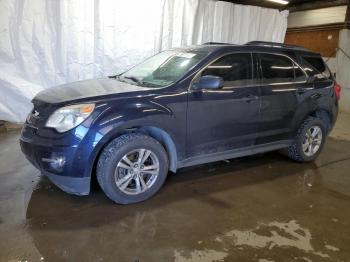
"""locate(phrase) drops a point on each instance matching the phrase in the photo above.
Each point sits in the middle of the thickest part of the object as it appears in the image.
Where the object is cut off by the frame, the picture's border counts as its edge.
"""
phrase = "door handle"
(250, 98)
(315, 96)
(302, 90)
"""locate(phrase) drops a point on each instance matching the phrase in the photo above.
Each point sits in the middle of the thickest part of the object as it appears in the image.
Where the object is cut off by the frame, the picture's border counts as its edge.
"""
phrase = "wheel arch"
(155, 132)
(324, 115)
(165, 139)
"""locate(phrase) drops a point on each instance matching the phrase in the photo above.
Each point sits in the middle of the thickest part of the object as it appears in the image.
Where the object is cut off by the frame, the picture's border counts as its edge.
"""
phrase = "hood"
(86, 89)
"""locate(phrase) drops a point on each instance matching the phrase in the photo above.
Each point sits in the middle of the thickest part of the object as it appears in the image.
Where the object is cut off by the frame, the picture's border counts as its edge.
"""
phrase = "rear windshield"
(315, 66)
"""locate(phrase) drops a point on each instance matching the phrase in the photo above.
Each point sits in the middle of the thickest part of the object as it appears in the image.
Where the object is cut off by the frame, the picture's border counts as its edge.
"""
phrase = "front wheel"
(132, 168)
(309, 141)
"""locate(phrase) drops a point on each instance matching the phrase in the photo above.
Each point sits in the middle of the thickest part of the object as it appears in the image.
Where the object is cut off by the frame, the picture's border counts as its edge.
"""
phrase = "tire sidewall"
(109, 167)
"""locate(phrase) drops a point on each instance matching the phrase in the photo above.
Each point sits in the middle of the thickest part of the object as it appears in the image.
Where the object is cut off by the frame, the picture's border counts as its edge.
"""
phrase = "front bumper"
(66, 177)
(72, 185)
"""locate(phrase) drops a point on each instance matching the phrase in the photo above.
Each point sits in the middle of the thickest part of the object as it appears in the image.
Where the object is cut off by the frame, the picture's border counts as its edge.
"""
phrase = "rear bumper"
(66, 177)
(335, 111)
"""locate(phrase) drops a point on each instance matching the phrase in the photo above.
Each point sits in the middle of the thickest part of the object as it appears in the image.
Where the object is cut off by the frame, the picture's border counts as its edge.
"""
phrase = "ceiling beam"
(315, 5)
(261, 3)
(293, 6)
(347, 17)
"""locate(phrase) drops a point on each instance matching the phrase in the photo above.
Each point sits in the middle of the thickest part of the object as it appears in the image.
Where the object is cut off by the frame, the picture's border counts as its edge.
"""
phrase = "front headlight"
(68, 117)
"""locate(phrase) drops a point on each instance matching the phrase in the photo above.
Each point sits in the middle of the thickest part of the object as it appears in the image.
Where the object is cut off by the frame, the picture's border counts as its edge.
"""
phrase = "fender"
(149, 117)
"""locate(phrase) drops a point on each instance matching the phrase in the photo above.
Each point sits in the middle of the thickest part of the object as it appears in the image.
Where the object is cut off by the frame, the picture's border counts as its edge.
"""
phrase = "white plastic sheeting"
(44, 43)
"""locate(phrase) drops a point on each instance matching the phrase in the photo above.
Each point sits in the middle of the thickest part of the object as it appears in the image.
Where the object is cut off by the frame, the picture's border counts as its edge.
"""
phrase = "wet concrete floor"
(259, 208)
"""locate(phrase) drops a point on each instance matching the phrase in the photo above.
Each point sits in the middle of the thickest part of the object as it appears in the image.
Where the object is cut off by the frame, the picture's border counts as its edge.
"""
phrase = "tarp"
(47, 43)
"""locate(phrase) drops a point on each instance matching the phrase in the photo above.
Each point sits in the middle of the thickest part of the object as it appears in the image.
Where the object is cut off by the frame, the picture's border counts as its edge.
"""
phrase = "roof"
(251, 46)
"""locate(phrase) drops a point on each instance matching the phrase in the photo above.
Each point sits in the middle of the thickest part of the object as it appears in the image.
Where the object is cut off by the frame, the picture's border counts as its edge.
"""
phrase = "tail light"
(337, 89)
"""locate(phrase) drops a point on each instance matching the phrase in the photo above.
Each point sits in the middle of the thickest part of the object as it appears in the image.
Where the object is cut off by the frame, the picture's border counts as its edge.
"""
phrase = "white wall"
(332, 63)
(343, 69)
(341, 66)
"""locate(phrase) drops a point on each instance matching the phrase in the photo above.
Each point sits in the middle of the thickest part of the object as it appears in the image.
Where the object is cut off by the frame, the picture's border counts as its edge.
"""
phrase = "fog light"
(56, 162)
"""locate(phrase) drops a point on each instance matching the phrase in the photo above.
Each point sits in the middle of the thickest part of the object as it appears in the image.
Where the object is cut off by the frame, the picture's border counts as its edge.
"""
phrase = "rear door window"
(276, 69)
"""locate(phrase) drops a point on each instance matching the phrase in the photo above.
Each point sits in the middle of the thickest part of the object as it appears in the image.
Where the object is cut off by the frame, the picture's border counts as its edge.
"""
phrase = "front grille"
(28, 131)
(39, 114)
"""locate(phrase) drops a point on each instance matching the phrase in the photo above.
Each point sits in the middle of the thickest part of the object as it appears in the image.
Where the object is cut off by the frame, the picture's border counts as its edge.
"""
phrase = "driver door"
(227, 118)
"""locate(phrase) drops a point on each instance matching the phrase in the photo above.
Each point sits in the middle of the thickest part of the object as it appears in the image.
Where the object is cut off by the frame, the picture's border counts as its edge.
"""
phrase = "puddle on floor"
(206, 255)
(271, 236)
(290, 235)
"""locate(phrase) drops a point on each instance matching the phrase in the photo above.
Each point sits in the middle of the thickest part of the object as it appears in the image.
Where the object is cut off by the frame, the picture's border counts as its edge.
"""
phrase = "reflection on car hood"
(85, 89)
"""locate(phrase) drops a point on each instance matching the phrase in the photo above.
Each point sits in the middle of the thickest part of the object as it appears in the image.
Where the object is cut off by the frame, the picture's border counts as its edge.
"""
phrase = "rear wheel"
(309, 141)
(132, 168)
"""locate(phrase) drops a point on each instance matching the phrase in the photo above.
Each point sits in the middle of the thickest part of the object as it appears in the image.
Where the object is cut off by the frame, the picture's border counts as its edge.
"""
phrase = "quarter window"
(234, 69)
(314, 66)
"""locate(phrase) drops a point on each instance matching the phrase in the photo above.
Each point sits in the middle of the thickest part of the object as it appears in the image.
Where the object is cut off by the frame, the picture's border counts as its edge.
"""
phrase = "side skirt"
(234, 153)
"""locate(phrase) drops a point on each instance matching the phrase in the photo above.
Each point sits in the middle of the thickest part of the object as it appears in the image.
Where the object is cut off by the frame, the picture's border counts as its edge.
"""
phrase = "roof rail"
(216, 43)
(275, 44)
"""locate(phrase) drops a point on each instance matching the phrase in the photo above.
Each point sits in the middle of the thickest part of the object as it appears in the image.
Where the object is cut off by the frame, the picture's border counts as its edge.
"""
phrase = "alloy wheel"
(312, 141)
(137, 171)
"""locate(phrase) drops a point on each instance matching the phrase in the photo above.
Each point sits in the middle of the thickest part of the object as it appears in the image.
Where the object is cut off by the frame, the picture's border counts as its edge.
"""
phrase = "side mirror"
(208, 82)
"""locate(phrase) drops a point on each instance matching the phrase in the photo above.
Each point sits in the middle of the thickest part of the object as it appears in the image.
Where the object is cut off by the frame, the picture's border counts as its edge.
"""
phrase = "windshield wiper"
(134, 79)
(148, 84)
(114, 76)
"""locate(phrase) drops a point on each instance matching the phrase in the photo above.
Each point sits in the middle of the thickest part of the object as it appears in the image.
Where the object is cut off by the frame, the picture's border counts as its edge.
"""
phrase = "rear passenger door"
(282, 82)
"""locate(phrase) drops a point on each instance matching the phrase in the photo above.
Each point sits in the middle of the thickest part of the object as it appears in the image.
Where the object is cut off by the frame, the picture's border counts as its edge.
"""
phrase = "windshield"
(162, 69)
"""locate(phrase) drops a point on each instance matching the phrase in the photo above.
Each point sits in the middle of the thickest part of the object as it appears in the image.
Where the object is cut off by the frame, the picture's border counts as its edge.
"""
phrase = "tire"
(296, 152)
(113, 167)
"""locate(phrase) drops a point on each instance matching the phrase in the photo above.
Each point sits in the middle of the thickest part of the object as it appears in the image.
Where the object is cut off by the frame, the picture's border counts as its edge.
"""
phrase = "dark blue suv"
(181, 107)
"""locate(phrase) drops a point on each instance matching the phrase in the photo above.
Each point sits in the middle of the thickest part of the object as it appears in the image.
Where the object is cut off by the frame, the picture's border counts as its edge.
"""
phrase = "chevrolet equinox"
(182, 107)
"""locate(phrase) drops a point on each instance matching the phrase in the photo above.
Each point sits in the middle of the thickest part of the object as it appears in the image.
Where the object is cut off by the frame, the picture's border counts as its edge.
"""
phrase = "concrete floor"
(259, 208)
